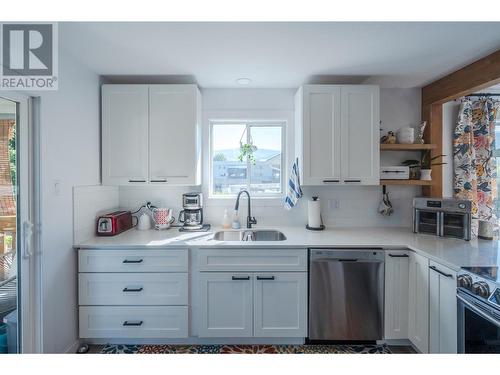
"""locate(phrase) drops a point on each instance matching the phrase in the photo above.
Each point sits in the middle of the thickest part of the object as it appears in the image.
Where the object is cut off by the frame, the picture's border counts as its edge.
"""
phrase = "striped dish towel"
(294, 191)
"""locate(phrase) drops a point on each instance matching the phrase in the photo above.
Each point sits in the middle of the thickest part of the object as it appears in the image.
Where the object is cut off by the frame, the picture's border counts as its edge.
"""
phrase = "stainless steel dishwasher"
(346, 294)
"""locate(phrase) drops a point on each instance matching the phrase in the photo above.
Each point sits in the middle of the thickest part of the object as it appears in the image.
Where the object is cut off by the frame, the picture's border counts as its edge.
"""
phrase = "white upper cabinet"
(418, 324)
(360, 131)
(319, 136)
(396, 294)
(151, 134)
(124, 134)
(442, 309)
(337, 134)
(174, 134)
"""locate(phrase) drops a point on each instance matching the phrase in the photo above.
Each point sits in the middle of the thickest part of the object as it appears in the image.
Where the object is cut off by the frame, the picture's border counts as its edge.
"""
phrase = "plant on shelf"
(423, 165)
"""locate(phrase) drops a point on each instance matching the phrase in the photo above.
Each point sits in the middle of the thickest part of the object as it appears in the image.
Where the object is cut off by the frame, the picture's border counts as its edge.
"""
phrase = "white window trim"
(282, 121)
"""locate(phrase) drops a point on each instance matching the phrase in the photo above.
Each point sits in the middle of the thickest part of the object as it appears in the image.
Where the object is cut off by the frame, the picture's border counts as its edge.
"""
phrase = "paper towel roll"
(313, 213)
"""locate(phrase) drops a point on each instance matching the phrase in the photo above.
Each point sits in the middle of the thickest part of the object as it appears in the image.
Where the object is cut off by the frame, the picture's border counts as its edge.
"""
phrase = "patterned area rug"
(245, 349)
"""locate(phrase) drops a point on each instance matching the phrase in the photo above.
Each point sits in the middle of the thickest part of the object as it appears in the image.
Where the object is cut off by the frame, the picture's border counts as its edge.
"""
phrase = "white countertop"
(453, 253)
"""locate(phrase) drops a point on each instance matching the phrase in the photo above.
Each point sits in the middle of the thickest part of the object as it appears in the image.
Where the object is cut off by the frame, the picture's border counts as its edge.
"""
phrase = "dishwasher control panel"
(348, 254)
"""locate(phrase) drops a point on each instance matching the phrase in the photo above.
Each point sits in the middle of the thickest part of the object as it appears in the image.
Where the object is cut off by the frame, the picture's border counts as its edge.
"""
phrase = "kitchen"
(229, 208)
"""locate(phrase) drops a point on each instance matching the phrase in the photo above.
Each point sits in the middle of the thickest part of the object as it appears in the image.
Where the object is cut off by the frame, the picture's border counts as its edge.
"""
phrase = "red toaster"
(114, 223)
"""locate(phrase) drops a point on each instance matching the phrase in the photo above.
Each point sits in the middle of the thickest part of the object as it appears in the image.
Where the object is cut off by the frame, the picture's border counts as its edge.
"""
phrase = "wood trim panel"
(433, 114)
(473, 77)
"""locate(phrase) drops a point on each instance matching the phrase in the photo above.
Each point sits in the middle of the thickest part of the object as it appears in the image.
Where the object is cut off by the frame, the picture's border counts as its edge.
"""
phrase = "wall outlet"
(333, 204)
(56, 186)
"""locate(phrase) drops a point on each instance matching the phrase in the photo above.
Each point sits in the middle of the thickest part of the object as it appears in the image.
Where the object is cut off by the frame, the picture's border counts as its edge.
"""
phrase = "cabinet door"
(321, 135)
(396, 294)
(360, 121)
(124, 134)
(442, 309)
(418, 325)
(226, 304)
(280, 304)
(174, 134)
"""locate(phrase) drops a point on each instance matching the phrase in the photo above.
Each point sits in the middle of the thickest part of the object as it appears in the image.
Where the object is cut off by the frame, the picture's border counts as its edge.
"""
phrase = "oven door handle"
(478, 312)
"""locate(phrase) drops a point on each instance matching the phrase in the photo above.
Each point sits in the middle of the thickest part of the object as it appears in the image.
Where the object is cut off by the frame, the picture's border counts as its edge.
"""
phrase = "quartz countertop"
(450, 252)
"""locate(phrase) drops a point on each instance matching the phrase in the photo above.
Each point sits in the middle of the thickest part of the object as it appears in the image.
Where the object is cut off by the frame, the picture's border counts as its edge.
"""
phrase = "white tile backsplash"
(88, 203)
(357, 205)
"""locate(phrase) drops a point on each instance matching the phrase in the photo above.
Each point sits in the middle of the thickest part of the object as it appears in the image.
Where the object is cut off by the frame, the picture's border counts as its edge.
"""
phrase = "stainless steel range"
(478, 297)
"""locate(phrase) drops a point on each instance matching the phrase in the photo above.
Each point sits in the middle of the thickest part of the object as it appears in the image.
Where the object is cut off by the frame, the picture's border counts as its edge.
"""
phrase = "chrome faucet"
(250, 219)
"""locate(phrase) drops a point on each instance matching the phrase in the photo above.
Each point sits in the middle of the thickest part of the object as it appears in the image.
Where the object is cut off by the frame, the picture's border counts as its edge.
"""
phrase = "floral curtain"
(474, 162)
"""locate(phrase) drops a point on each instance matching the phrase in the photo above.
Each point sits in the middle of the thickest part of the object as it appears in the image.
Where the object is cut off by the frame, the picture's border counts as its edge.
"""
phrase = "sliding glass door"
(16, 264)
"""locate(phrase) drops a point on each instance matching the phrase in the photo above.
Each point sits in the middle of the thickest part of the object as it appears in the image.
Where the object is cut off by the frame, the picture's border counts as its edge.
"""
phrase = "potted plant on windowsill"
(424, 165)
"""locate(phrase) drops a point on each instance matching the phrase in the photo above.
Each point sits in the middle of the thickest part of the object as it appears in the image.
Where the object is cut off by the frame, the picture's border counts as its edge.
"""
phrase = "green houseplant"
(423, 165)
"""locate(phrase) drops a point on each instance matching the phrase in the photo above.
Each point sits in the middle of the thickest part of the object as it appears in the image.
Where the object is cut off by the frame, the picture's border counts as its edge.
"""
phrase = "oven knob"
(464, 281)
(481, 289)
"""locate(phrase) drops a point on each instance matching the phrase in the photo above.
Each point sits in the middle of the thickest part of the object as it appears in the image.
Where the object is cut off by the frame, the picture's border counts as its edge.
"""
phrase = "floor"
(250, 349)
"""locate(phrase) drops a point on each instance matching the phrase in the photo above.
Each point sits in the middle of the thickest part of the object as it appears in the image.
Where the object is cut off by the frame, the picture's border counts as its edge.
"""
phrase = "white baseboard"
(199, 341)
(73, 347)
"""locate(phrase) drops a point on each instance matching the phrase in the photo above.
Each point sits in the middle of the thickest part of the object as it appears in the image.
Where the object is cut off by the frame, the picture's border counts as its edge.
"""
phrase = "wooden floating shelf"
(406, 147)
(406, 182)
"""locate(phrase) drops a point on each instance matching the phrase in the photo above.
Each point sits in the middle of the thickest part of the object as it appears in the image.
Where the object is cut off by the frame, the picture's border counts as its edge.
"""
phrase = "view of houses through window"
(247, 155)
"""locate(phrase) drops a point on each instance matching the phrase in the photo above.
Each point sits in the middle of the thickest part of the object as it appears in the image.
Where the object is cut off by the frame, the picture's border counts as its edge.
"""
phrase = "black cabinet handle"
(240, 278)
(133, 261)
(330, 181)
(265, 277)
(348, 260)
(347, 181)
(136, 180)
(441, 272)
(133, 289)
(160, 180)
(126, 323)
(399, 255)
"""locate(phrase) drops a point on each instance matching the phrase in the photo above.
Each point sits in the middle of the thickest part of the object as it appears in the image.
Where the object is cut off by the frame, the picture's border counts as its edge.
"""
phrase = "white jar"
(406, 135)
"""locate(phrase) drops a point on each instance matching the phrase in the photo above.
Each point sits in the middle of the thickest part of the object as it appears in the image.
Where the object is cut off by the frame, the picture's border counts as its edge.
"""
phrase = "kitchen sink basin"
(250, 235)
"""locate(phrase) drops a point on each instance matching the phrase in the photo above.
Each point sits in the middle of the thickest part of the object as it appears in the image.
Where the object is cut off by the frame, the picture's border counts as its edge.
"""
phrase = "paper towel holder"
(321, 227)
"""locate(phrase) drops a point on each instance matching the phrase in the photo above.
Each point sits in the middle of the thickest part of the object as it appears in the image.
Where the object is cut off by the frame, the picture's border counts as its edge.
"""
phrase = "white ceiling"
(281, 54)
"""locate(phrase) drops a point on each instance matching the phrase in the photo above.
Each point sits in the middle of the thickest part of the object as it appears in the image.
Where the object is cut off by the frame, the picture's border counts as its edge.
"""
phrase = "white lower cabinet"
(397, 264)
(132, 293)
(442, 309)
(133, 321)
(418, 325)
(265, 304)
(226, 305)
(280, 306)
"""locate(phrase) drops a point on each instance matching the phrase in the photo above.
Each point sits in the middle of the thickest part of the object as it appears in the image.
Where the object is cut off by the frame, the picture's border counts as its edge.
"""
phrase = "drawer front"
(252, 260)
(133, 321)
(133, 260)
(133, 288)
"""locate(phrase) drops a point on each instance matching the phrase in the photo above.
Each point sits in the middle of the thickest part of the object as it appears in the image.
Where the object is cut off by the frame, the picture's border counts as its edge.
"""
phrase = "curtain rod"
(485, 94)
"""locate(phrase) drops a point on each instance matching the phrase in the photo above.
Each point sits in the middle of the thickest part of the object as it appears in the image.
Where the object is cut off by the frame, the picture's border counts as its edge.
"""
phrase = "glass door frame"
(27, 189)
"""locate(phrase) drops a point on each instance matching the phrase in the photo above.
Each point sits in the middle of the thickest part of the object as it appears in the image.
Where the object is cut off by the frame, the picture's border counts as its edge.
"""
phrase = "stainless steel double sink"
(249, 235)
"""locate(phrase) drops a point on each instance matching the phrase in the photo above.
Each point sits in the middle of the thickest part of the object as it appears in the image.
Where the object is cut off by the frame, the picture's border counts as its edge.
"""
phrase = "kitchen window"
(246, 155)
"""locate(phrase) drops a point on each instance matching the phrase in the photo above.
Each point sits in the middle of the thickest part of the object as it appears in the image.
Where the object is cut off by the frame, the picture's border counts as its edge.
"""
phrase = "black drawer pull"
(133, 289)
(347, 181)
(160, 180)
(126, 323)
(348, 260)
(399, 255)
(441, 272)
(265, 277)
(136, 180)
(133, 261)
(240, 278)
(330, 181)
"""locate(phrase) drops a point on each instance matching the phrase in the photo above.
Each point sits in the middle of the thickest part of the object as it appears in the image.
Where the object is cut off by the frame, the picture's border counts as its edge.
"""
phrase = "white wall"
(70, 146)
(342, 206)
